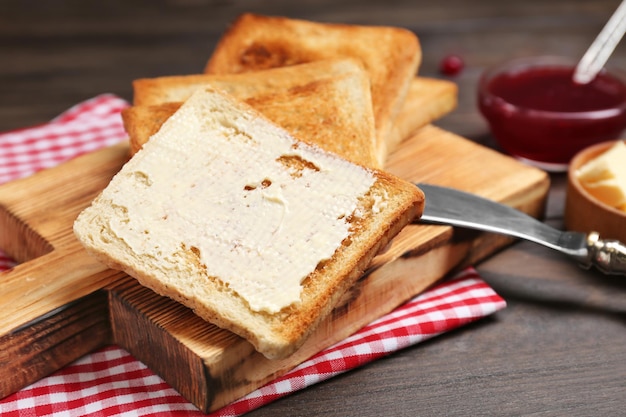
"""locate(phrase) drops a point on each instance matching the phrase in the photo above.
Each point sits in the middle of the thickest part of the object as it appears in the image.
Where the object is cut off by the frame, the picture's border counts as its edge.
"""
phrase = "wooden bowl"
(585, 213)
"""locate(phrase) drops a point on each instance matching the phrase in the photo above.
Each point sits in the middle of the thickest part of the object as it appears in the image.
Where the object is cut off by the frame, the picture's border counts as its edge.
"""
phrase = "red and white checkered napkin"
(87, 126)
(111, 382)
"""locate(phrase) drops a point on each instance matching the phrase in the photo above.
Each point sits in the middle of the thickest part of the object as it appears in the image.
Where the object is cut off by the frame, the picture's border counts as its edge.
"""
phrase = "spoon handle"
(602, 47)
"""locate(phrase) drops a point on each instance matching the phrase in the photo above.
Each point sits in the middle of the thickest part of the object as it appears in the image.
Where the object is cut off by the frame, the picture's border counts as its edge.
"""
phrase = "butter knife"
(448, 206)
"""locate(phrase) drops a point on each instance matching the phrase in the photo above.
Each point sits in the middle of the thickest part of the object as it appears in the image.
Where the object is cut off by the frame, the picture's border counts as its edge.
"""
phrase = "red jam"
(539, 114)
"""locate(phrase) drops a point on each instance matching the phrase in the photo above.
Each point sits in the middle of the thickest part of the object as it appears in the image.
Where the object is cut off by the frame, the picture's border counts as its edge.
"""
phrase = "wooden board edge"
(52, 341)
(133, 328)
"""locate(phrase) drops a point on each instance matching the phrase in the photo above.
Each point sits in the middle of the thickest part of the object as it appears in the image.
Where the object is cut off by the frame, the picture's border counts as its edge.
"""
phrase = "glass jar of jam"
(538, 114)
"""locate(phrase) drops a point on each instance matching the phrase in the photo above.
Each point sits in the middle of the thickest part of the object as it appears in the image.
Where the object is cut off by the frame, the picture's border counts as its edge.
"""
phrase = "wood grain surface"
(558, 349)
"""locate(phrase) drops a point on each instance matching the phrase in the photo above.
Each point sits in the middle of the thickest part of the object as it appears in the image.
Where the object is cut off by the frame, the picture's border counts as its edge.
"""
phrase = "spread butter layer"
(259, 210)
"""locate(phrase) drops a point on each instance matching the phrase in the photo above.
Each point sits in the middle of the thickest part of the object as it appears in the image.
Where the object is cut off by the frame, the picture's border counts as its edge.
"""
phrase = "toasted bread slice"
(177, 88)
(428, 99)
(259, 233)
(312, 101)
(390, 55)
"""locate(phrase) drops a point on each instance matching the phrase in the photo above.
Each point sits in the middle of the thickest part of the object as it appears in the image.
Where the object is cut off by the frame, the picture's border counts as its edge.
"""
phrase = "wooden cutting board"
(59, 304)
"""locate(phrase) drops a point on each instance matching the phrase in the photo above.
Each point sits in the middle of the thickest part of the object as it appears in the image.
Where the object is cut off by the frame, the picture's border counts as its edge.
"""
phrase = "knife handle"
(609, 256)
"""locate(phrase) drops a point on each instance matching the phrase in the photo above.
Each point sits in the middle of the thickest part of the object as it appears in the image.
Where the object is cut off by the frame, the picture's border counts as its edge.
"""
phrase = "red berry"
(451, 65)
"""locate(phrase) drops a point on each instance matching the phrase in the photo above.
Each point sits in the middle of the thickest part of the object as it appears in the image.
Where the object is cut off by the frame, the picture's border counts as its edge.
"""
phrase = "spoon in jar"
(602, 47)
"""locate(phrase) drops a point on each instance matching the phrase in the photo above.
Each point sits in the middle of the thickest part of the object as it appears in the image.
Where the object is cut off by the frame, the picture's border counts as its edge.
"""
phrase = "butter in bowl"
(596, 191)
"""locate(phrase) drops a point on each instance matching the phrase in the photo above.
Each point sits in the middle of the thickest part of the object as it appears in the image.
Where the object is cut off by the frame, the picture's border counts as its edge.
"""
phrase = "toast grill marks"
(389, 204)
(326, 103)
(390, 55)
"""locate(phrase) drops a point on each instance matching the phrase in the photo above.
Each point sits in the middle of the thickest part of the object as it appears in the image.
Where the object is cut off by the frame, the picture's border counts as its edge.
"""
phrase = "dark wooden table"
(560, 346)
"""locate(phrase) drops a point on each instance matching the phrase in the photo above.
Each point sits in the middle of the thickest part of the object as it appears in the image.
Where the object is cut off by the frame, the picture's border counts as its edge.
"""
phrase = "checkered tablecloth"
(111, 382)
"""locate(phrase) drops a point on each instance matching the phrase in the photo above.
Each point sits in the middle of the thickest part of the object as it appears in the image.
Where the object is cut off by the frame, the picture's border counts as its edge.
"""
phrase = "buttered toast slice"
(327, 103)
(390, 55)
(259, 233)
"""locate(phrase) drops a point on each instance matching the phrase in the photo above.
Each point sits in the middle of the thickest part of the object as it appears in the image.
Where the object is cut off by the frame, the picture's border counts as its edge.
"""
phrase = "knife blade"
(448, 206)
